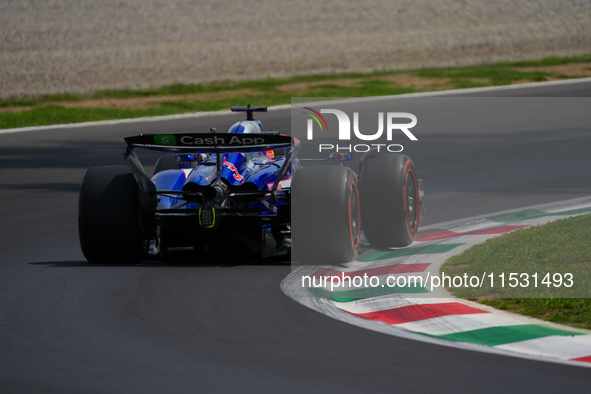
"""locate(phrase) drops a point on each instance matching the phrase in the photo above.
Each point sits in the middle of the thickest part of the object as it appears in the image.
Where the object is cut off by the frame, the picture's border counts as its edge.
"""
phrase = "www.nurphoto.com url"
(431, 282)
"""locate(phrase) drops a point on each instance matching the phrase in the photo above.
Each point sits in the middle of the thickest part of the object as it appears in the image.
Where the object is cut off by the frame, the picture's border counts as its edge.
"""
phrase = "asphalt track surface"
(68, 326)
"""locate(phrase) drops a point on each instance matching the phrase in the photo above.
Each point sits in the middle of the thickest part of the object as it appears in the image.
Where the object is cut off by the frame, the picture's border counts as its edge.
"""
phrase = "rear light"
(207, 217)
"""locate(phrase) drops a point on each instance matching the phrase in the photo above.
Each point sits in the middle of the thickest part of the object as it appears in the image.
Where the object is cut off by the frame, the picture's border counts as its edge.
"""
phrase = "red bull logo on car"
(232, 168)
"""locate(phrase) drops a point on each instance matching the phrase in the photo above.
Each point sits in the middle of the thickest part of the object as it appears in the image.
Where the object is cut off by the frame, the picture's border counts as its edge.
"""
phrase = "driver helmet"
(247, 127)
(251, 127)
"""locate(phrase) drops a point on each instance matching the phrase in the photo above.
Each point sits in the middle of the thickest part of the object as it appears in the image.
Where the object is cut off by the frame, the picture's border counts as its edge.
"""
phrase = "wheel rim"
(411, 201)
(354, 214)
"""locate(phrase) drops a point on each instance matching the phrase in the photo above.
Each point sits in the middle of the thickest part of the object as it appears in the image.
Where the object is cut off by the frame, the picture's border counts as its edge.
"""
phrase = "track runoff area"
(382, 301)
(401, 291)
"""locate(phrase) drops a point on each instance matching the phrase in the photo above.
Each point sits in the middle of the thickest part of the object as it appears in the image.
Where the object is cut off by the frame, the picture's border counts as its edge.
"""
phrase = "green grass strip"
(533, 214)
(35, 110)
(575, 312)
(361, 294)
(551, 251)
(494, 336)
(373, 255)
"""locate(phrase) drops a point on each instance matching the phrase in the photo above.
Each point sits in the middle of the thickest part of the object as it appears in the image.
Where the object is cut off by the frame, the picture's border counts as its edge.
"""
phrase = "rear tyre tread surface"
(108, 216)
(325, 215)
(388, 190)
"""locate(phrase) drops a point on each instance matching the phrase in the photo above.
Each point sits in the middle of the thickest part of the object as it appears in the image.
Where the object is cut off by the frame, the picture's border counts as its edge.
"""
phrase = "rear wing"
(211, 142)
(206, 143)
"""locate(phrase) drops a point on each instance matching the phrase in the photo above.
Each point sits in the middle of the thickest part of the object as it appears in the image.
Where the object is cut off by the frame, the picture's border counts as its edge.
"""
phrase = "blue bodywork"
(238, 169)
(217, 189)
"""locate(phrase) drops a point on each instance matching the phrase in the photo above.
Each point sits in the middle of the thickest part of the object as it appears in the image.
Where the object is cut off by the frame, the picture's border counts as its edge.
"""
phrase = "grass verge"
(558, 247)
(219, 95)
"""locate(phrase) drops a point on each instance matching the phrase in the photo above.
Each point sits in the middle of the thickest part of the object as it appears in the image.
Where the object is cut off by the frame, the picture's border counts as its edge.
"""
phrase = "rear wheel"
(389, 197)
(325, 215)
(108, 216)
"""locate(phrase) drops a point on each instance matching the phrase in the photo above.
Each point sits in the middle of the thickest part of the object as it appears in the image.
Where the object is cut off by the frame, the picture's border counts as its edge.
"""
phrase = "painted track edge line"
(292, 289)
(377, 326)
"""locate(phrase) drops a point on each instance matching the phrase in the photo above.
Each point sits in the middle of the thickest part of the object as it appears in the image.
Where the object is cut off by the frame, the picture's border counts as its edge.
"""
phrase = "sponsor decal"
(237, 140)
(232, 168)
(165, 139)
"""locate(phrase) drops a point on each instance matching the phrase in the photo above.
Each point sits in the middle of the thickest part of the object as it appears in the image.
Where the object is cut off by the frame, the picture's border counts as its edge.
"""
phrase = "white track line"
(287, 106)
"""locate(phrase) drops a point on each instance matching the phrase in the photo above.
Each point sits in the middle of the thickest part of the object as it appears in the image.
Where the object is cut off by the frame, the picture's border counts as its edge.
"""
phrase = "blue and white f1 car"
(245, 190)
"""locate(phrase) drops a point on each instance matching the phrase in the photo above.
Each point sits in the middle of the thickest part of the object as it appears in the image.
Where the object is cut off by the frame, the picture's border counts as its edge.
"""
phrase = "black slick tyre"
(389, 200)
(325, 215)
(108, 216)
